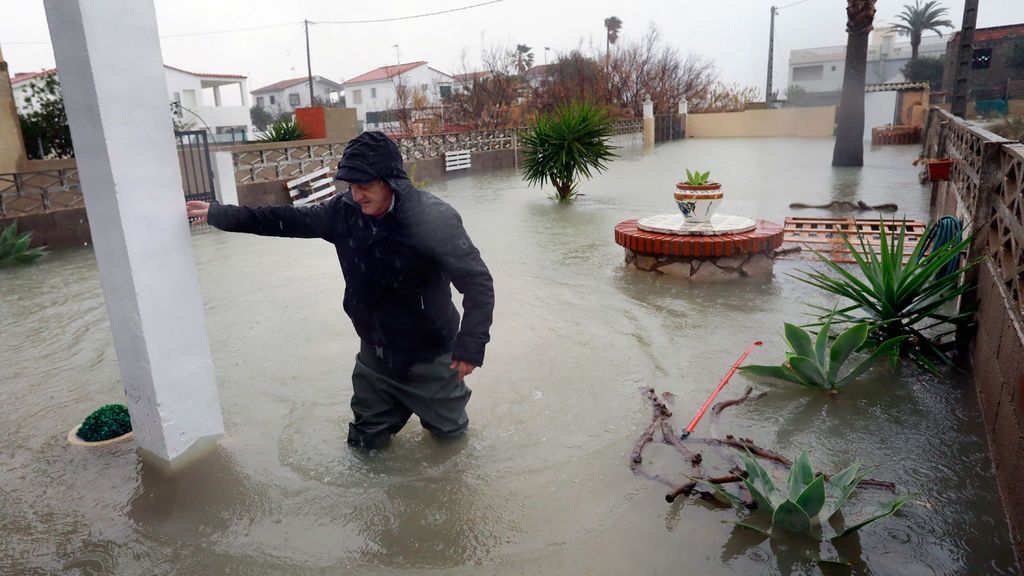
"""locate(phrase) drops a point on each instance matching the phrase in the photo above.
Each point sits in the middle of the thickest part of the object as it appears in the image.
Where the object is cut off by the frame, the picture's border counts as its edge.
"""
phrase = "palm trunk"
(915, 43)
(849, 147)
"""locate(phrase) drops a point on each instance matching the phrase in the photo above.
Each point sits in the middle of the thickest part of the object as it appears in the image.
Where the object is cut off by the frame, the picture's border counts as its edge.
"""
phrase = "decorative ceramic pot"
(698, 203)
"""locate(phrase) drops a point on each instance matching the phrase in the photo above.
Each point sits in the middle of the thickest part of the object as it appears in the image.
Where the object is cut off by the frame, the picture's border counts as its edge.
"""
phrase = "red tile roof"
(384, 73)
(20, 77)
(292, 82)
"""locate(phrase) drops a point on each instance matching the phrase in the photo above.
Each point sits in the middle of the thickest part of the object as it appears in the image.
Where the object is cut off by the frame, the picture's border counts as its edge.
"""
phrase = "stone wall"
(55, 229)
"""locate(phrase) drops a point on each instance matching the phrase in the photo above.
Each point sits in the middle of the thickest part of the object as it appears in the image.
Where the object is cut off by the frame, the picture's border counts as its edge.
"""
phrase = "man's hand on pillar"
(197, 209)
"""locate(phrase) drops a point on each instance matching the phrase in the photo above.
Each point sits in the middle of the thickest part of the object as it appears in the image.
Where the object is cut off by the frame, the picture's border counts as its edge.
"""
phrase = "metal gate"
(668, 127)
(196, 165)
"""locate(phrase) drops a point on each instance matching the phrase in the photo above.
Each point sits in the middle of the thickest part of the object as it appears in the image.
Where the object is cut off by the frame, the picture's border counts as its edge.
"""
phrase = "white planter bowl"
(698, 203)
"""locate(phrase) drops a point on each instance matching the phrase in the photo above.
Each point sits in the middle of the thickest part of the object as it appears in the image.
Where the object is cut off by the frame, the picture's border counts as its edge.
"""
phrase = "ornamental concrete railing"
(43, 186)
(272, 161)
(986, 192)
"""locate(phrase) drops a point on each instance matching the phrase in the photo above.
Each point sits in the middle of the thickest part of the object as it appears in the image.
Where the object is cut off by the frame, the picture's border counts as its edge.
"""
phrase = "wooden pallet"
(802, 235)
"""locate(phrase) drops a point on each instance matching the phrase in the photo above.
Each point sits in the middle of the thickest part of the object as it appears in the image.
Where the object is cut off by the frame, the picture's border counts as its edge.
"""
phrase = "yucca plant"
(284, 130)
(807, 502)
(817, 364)
(896, 298)
(565, 145)
(14, 249)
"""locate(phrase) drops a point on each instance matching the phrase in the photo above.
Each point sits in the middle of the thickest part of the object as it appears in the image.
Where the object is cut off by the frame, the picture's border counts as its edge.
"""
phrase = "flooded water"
(541, 484)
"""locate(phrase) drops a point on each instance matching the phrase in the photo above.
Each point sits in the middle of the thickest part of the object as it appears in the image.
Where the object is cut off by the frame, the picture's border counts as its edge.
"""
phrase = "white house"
(287, 95)
(376, 91)
(215, 101)
(821, 69)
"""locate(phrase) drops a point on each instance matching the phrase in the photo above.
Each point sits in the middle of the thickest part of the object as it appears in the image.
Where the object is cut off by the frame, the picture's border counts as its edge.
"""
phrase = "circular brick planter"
(702, 258)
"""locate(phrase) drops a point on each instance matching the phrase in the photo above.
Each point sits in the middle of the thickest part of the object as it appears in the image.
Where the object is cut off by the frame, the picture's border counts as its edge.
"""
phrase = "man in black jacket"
(400, 250)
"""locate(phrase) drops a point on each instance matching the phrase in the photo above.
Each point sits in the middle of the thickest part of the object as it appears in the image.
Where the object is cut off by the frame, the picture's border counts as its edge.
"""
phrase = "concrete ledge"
(57, 229)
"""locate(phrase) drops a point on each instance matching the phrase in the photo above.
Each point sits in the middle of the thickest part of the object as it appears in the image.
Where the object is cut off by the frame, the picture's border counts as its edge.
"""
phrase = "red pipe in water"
(707, 403)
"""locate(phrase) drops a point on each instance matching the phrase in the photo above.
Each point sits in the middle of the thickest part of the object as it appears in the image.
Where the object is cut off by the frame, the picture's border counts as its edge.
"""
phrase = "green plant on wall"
(896, 298)
(45, 125)
(818, 364)
(106, 422)
(283, 130)
(566, 145)
(807, 503)
(15, 249)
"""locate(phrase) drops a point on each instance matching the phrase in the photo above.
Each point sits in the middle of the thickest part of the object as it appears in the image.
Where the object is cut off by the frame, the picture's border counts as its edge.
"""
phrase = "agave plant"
(284, 130)
(566, 144)
(896, 298)
(697, 178)
(14, 249)
(807, 502)
(816, 364)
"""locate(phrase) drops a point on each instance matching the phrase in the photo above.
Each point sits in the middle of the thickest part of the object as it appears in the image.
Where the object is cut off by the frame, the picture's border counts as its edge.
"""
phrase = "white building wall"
(886, 58)
(282, 102)
(378, 96)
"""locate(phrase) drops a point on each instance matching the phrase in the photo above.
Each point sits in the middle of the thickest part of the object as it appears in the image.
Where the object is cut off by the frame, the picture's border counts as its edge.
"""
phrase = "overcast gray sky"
(732, 33)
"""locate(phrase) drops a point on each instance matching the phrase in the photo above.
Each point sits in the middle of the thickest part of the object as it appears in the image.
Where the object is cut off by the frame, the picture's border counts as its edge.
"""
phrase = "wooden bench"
(312, 188)
(457, 160)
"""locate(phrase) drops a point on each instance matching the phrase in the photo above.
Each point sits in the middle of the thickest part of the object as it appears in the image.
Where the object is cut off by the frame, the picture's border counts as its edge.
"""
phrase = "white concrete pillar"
(648, 122)
(216, 95)
(115, 92)
(224, 177)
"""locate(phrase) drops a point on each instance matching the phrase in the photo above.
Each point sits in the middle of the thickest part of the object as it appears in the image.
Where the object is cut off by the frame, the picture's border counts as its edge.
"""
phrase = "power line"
(424, 15)
(791, 4)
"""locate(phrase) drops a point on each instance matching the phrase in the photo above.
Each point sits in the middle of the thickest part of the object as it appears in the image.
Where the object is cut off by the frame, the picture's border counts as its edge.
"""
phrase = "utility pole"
(771, 59)
(965, 54)
(309, 65)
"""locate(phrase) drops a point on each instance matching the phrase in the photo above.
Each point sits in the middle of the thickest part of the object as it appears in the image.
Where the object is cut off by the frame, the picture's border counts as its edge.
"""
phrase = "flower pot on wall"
(938, 170)
(698, 203)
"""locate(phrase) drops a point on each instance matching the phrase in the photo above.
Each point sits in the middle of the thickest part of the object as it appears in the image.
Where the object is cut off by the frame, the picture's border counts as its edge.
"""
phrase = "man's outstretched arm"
(288, 221)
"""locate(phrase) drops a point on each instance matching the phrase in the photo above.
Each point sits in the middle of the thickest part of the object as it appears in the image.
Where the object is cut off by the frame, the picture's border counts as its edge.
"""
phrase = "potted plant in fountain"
(697, 198)
(106, 425)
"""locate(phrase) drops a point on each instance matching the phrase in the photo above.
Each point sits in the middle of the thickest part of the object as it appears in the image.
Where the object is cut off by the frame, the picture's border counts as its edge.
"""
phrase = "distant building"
(375, 93)
(463, 82)
(820, 70)
(537, 75)
(991, 78)
(287, 95)
(216, 101)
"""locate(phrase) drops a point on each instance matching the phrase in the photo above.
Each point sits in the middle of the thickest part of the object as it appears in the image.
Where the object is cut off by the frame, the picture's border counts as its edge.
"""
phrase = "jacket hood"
(375, 154)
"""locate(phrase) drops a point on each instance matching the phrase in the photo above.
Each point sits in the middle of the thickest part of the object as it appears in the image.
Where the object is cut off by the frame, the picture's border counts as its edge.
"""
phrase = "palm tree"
(523, 58)
(916, 19)
(563, 146)
(849, 148)
(613, 25)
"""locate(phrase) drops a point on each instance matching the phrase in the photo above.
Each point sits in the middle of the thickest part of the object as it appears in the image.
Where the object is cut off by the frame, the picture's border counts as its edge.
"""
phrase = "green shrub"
(816, 364)
(808, 502)
(109, 421)
(284, 130)
(14, 249)
(566, 144)
(896, 298)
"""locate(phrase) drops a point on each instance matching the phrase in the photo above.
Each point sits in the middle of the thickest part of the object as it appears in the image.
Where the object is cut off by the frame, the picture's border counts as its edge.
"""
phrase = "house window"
(446, 91)
(357, 96)
(981, 58)
(293, 99)
(176, 98)
(273, 100)
(259, 101)
(423, 87)
(833, 68)
(373, 93)
(802, 73)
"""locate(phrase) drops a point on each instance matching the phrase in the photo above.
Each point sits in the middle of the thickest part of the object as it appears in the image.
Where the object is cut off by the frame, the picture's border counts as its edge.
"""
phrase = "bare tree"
(490, 99)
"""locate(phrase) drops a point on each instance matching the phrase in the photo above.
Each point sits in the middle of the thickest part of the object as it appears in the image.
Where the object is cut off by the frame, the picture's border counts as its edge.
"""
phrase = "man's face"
(373, 197)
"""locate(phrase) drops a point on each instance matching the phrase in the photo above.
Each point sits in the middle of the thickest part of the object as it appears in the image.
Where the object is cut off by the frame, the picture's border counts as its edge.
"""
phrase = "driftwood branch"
(717, 408)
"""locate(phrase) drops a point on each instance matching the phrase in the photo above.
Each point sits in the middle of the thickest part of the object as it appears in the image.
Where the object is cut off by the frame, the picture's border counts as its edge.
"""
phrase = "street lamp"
(546, 54)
